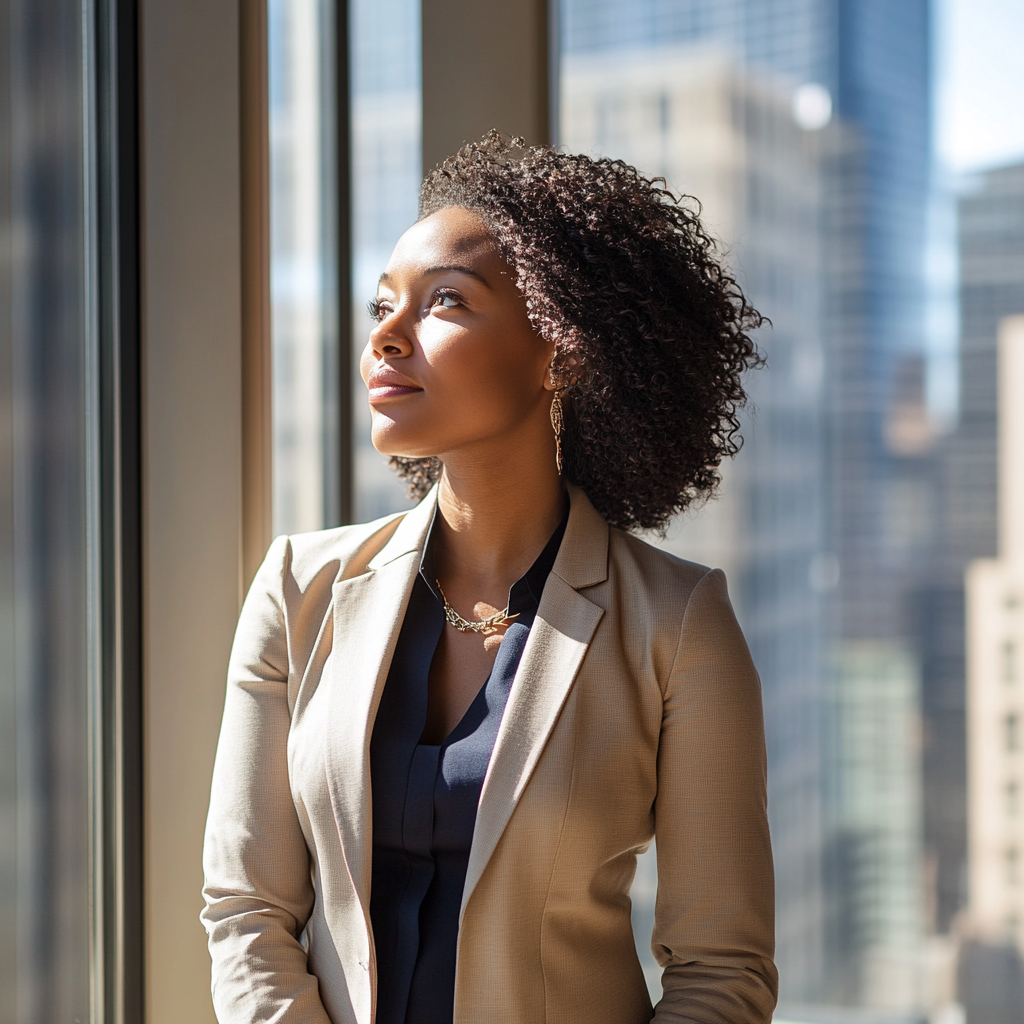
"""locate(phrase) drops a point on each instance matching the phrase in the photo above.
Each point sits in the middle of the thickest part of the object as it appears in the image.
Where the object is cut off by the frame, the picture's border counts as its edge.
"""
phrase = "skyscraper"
(840, 597)
(991, 250)
(995, 640)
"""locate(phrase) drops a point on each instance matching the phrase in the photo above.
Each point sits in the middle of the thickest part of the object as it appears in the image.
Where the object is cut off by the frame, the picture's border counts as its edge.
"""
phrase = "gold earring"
(556, 424)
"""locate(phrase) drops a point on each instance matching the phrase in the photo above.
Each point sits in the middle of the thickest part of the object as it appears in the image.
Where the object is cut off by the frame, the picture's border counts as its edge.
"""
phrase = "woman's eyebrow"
(385, 278)
(458, 268)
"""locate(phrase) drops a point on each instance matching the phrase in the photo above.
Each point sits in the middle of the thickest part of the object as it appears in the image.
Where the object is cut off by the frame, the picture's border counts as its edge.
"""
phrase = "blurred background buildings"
(977, 525)
(992, 975)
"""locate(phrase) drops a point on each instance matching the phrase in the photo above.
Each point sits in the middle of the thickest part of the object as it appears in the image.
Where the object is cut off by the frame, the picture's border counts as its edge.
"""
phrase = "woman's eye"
(377, 309)
(446, 300)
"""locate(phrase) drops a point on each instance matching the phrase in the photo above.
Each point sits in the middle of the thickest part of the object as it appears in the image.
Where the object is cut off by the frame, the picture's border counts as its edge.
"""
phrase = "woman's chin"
(389, 443)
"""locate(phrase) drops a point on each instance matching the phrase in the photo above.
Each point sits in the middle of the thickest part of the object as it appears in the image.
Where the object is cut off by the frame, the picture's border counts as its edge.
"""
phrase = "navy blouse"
(425, 799)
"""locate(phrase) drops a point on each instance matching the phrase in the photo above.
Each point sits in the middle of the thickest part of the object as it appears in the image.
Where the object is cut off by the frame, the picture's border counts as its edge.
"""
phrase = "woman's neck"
(495, 519)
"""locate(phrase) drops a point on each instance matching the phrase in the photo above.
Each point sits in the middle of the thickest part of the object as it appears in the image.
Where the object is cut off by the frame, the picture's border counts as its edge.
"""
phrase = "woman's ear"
(563, 370)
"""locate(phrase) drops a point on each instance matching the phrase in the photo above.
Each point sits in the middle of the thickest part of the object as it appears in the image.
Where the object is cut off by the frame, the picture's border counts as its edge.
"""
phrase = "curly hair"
(649, 329)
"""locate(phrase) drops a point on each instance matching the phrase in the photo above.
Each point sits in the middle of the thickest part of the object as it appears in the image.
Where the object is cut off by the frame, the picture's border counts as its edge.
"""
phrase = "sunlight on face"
(453, 362)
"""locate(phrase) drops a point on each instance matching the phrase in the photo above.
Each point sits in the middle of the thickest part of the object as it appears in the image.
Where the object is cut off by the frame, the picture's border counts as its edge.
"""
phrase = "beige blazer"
(635, 714)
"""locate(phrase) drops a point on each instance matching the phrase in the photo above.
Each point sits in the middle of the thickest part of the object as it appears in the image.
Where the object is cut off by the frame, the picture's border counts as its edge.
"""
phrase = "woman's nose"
(390, 338)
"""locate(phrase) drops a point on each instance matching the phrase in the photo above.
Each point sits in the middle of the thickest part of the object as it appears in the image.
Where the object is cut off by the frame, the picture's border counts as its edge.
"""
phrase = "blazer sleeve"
(258, 888)
(715, 912)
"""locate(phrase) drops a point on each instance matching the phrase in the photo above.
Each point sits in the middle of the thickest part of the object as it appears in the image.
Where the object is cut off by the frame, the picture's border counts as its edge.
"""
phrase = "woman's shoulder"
(347, 549)
(682, 608)
(657, 568)
(300, 566)
(291, 593)
(662, 587)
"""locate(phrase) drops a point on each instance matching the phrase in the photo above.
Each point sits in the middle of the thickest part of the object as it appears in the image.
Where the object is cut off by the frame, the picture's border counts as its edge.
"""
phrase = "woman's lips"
(391, 391)
(386, 382)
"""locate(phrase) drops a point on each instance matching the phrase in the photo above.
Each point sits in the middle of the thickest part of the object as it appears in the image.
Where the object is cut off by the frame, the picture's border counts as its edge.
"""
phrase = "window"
(386, 170)
(316, 477)
(307, 376)
(70, 895)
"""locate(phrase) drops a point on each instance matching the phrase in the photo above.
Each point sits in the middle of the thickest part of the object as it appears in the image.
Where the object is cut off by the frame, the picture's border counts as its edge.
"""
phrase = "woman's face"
(452, 363)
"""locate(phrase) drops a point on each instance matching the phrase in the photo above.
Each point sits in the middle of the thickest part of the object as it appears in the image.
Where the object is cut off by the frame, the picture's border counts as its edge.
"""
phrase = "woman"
(449, 733)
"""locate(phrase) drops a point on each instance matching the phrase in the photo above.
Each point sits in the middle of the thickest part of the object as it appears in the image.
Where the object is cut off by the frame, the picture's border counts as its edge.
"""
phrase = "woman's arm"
(258, 889)
(715, 917)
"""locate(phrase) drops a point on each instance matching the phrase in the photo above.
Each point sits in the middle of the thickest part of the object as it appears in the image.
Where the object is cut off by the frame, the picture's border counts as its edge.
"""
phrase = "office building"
(991, 257)
(995, 706)
(991, 248)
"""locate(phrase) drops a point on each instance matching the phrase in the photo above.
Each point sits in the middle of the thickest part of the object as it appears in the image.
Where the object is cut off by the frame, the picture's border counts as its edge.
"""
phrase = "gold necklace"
(485, 626)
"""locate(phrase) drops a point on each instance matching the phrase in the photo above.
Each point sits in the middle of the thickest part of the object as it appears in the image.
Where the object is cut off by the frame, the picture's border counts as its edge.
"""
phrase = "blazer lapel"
(368, 614)
(558, 642)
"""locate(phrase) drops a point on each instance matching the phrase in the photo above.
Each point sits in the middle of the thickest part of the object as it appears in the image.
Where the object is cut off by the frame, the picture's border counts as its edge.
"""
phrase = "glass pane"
(47, 526)
(303, 271)
(806, 137)
(386, 169)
